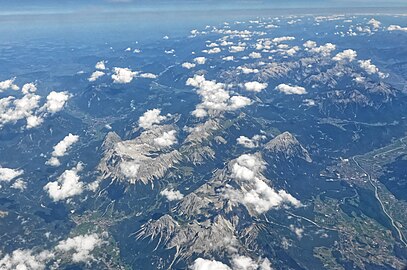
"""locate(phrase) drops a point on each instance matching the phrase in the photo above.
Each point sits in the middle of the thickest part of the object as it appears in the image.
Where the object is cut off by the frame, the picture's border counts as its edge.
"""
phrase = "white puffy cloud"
(61, 148)
(7, 174)
(212, 44)
(247, 70)
(199, 113)
(56, 101)
(292, 51)
(310, 44)
(212, 50)
(200, 60)
(25, 259)
(8, 84)
(250, 142)
(324, 50)
(254, 192)
(19, 184)
(228, 58)
(346, 55)
(129, 168)
(291, 90)
(255, 86)
(100, 65)
(374, 23)
(67, 185)
(255, 55)
(237, 48)
(188, 65)
(34, 121)
(368, 66)
(95, 75)
(148, 75)
(80, 247)
(396, 28)
(29, 88)
(298, 231)
(215, 97)
(203, 264)
(171, 194)
(166, 139)
(244, 263)
(238, 102)
(282, 39)
(123, 75)
(13, 109)
(150, 117)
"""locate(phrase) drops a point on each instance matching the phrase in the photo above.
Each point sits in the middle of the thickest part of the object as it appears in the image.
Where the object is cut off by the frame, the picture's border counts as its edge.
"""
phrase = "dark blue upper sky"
(23, 6)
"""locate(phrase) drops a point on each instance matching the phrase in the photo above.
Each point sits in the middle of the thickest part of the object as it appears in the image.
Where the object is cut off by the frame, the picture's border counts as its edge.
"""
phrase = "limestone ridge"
(287, 145)
(138, 159)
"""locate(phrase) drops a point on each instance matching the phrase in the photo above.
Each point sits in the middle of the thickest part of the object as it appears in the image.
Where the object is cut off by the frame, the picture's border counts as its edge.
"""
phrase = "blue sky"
(22, 6)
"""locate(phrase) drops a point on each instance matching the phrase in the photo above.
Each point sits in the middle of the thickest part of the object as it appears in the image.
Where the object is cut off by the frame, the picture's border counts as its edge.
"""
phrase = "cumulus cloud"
(255, 55)
(254, 192)
(228, 58)
(8, 84)
(61, 148)
(150, 118)
(396, 28)
(80, 247)
(237, 48)
(324, 50)
(67, 185)
(22, 259)
(247, 70)
(129, 168)
(33, 121)
(243, 263)
(19, 184)
(215, 97)
(188, 65)
(203, 264)
(123, 75)
(282, 39)
(56, 101)
(346, 55)
(148, 75)
(171, 194)
(368, 66)
(250, 142)
(100, 65)
(200, 60)
(7, 174)
(238, 102)
(13, 109)
(166, 139)
(374, 23)
(298, 231)
(28, 88)
(95, 75)
(255, 86)
(212, 50)
(291, 90)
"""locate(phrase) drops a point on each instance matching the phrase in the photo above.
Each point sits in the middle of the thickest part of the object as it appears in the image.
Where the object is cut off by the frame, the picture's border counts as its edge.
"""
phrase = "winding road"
(381, 203)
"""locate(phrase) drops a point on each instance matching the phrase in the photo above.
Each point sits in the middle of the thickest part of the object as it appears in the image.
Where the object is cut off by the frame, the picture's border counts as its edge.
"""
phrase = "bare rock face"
(209, 237)
(140, 159)
(276, 70)
(219, 217)
(196, 147)
(287, 145)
